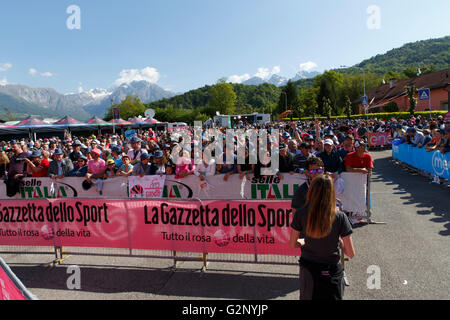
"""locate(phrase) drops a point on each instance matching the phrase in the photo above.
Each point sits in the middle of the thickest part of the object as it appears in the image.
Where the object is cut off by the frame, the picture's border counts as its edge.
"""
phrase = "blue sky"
(185, 44)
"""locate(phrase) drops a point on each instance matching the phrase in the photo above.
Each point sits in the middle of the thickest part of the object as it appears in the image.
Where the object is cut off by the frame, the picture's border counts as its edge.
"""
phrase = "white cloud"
(129, 75)
(263, 73)
(308, 66)
(3, 82)
(5, 66)
(34, 72)
(238, 79)
(47, 74)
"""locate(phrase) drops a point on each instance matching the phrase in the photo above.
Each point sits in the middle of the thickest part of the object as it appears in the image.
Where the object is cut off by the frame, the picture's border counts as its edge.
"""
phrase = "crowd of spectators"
(340, 144)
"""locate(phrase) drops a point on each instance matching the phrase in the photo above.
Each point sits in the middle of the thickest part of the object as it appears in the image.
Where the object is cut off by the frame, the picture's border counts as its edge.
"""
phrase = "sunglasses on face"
(314, 171)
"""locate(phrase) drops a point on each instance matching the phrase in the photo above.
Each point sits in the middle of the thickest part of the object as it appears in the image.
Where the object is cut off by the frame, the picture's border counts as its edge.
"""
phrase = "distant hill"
(430, 55)
(433, 53)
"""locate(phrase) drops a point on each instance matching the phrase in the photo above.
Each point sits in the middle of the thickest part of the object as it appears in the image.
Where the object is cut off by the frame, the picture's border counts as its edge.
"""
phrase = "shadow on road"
(166, 282)
(416, 190)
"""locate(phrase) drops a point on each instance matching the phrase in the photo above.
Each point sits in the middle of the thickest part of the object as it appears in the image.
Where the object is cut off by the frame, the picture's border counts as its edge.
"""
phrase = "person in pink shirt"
(96, 169)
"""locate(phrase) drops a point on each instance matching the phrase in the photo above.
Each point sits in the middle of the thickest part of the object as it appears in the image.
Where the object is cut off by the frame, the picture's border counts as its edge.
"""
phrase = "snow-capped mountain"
(81, 105)
(305, 75)
(280, 81)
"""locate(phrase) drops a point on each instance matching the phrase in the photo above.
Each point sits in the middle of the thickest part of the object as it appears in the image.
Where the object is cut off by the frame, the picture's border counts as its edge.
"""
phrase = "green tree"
(130, 107)
(330, 84)
(348, 107)
(289, 99)
(327, 107)
(222, 97)
(410, 92)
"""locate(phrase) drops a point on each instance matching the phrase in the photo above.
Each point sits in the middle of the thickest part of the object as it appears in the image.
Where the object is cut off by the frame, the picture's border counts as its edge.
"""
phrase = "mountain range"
(18, 101)
(280, 81)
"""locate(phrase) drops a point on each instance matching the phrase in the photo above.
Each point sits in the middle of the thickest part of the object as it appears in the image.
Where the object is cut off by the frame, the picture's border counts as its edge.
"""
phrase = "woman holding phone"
(319, 229)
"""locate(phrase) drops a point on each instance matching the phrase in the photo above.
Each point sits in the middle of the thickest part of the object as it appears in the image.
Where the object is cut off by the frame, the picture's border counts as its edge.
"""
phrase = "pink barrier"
(8, 289)
(379, 139)
(254, 227)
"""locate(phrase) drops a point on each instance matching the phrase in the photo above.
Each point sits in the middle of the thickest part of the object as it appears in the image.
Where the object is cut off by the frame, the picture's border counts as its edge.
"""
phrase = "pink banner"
(8, 290)
(379, 139)
(261, 227)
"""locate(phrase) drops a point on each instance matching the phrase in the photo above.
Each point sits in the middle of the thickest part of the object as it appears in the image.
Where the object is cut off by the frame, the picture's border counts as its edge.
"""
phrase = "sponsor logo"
(33, 189)
(270, 188)
(440, 165)
(177, 190)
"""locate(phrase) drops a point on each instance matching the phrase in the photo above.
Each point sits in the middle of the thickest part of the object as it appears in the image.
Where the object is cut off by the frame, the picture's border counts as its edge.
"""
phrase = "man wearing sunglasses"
(314, 167)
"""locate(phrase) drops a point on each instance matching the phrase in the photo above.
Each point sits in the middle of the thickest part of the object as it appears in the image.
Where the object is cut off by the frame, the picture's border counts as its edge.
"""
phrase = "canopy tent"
(32, 125)
(96, 121)
(152, 121)
(30, 122)
(120, 122)
(137, 120)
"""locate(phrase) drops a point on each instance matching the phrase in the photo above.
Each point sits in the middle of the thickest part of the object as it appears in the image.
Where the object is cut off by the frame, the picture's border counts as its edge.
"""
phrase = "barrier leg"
(205, 262)
(343, 264)
(174, 260)
(59, 255)
(368, 203)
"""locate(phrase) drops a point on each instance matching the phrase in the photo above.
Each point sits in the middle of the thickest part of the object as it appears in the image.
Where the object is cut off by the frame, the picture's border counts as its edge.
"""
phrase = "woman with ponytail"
(319, 228)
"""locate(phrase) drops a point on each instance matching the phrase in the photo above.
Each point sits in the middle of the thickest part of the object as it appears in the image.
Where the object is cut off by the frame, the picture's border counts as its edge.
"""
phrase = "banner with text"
(432, 162)
(253, 227)
(376, 139)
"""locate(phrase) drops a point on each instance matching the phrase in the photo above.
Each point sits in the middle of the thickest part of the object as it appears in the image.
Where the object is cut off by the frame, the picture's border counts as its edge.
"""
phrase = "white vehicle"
(177, 126)
(234, 120)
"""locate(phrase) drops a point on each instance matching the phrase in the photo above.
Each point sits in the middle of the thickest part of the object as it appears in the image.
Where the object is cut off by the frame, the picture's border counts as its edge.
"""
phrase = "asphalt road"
(411, 252)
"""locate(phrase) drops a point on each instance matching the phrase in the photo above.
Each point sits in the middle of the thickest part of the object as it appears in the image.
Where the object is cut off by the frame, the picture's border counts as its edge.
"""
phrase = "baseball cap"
(282, 146)
(159, 154)
(36, 154)
(110, 161)
(145, 156)
(135, 140)
(96, 151)
(359, 144)
(328, 141)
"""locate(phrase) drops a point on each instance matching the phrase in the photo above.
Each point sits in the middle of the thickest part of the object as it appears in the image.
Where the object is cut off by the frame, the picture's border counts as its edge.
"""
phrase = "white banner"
(68, 187)
(353, 197)
(149, 187)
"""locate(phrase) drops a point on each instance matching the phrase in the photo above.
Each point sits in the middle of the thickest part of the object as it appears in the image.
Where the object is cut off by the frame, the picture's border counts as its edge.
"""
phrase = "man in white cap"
(136, 151)
(331, 159)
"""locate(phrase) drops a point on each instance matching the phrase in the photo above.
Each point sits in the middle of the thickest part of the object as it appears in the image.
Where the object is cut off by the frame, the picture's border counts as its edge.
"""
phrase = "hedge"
(382, 116)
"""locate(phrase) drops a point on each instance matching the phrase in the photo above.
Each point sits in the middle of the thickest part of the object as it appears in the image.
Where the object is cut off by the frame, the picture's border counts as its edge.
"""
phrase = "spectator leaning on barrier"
(446, 142)
(36, 165)
(359, 161)
(416, 137)
(80, 168)
(96, 170)
(331, 159)
(17, 168)
(286, 160)
(111, 169)
(136, 151)
(126, 168)
(144, 167)
(60, 166)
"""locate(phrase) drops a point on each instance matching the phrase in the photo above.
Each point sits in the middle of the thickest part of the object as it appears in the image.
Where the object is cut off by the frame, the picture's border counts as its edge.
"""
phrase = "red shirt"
(43, 173)
(354, 161)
